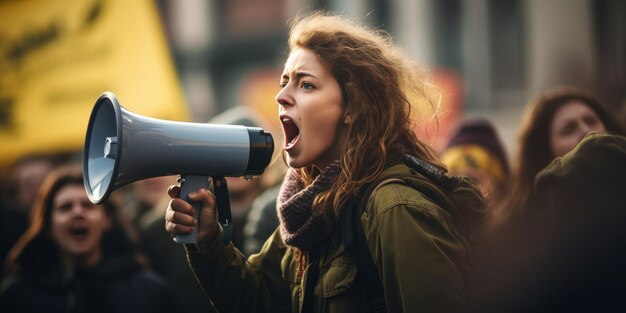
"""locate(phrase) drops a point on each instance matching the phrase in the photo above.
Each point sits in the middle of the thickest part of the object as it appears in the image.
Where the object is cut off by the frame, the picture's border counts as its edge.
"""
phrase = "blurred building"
(229, 52)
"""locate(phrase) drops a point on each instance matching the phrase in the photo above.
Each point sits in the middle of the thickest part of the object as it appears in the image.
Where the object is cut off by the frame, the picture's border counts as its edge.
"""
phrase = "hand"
(179, 216)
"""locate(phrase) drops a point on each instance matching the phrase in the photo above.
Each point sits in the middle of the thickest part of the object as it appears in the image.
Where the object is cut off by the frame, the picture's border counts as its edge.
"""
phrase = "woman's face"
(310, 111)
(78, 225)
(571, 122)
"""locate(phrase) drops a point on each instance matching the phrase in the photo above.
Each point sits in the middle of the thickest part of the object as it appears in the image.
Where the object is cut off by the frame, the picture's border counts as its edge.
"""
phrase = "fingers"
(173, 191)
(179, 217)
(174, 229)
(180, 212)
(204, 196)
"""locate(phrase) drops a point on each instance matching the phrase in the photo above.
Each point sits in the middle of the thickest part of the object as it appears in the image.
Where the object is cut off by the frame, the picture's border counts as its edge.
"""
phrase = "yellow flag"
(57, 57)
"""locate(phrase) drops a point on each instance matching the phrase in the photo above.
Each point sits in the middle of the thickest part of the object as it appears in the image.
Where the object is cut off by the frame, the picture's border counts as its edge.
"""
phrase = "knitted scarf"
(300, 225)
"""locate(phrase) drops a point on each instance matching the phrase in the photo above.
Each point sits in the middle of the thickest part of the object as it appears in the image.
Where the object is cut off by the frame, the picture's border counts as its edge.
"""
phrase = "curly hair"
(380, 88)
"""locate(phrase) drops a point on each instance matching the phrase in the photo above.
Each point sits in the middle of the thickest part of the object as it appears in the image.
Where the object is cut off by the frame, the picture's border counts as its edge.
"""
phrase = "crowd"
(467, 228)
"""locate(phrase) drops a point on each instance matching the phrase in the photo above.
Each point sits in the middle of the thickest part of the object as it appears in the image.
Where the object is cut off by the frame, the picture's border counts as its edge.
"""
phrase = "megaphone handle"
(222, 200)
(189, 184)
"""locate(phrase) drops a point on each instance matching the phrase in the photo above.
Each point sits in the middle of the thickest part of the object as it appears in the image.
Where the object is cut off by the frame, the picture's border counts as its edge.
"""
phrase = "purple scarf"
(300, 226)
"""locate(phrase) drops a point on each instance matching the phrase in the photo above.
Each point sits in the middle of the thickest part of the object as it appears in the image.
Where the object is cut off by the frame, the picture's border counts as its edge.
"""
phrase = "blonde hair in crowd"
(381, 89)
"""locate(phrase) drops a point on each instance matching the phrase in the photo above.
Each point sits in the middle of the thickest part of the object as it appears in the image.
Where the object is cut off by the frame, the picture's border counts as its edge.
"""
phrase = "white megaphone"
(122, 147)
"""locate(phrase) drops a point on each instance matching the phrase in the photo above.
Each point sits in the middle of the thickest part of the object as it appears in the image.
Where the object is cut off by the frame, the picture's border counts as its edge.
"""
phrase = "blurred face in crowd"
(478, 164)
(310, 110)
(571, 122)
(78, 225)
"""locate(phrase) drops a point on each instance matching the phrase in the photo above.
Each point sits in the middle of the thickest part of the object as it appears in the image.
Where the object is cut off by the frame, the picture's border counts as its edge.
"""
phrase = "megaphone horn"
(122, 147)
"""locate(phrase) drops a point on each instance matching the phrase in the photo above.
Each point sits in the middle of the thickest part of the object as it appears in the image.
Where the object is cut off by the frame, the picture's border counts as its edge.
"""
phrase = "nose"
(283, 98)
(78, 209)
(584, 130)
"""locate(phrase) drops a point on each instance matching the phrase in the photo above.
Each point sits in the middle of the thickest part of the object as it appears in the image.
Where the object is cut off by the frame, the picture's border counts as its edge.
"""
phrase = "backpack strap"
(353, 238)
(353, 235)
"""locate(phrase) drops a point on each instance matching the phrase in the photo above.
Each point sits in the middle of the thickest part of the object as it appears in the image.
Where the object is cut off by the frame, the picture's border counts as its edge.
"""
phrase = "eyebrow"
(300, 74)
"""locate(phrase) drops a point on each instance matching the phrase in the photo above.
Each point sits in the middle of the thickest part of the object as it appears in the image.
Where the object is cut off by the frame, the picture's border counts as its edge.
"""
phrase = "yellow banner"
(57, 57)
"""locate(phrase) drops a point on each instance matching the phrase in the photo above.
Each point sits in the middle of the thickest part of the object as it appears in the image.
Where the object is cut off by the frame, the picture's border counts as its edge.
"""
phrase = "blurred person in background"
(12, 225)
(19, 192)
(475, 151)
(554, 123)
(523, 226)
(262, 221)
(571, 256)
(75, 257)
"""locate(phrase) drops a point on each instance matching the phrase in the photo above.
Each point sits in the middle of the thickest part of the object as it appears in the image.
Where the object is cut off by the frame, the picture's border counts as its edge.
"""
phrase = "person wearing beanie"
(475, 151)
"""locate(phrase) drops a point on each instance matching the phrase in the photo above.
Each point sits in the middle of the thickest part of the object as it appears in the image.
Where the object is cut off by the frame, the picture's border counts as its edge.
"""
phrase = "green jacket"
(421, 251)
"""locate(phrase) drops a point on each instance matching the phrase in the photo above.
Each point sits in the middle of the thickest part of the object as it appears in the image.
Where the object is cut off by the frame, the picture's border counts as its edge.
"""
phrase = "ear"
(347, 118)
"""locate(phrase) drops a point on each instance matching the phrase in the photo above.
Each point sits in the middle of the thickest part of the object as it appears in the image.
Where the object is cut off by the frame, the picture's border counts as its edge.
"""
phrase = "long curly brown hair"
(381, 88)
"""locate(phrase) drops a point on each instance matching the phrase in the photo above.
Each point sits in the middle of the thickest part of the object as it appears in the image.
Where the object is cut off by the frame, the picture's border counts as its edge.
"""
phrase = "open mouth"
(79, 232)
(292, 133)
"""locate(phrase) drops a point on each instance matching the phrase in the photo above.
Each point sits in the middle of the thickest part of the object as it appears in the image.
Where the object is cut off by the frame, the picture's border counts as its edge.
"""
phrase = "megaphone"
(122, 147)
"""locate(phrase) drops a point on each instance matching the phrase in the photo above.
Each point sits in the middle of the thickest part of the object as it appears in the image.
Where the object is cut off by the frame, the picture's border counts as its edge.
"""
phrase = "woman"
(344, 107)
(553, 125)
(74, 257)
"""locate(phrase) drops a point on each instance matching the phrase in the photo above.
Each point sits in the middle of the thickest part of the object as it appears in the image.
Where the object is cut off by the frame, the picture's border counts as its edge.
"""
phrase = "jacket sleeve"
(235, 284)
(419, 254)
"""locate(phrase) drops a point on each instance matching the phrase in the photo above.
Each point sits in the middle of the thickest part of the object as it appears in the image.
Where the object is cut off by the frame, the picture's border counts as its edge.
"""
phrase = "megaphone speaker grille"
(101, 155)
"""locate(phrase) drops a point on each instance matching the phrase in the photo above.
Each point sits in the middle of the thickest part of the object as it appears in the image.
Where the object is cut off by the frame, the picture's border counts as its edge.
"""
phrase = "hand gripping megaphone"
(122, 147)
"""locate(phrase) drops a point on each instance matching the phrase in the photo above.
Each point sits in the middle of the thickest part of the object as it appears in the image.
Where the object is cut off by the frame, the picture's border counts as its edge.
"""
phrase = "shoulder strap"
(353, 238)
(353, 235)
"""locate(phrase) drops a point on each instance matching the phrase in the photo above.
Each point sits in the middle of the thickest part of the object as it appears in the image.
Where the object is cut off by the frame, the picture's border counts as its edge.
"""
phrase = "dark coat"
(12, 225)
(117, 284)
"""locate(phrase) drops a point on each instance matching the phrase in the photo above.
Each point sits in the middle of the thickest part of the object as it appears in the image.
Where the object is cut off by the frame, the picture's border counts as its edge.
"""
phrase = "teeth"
(286, 120)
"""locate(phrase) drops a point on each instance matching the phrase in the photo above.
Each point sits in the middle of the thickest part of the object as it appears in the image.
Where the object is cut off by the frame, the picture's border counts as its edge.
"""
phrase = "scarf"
(300, 225)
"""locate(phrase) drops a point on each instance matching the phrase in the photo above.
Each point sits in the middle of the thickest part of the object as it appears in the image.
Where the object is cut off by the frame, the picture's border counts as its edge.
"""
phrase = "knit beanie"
(479, 133)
